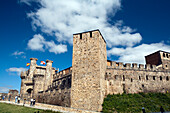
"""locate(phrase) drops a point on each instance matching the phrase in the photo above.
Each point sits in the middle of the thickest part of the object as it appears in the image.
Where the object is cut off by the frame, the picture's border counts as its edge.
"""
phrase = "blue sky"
(43, 29)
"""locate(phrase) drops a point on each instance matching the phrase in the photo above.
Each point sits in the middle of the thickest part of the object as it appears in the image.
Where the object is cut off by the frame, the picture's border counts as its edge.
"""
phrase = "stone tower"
(159, 58)
(89, 66)
(32, 67)
(48, 74)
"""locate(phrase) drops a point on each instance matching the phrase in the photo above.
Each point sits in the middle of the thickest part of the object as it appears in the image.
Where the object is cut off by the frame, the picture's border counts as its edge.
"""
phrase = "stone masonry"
(92, 77)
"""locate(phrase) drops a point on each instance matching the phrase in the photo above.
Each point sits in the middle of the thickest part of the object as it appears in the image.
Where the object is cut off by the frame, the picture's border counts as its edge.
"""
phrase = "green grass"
(10, 108)
(133, 103)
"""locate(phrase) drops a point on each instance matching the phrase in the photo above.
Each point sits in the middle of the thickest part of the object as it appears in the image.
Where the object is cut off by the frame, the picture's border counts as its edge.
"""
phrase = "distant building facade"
(91, 76)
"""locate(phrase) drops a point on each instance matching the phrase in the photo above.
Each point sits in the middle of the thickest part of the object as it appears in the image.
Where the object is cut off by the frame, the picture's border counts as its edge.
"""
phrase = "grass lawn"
(133, 103)
(10, 108)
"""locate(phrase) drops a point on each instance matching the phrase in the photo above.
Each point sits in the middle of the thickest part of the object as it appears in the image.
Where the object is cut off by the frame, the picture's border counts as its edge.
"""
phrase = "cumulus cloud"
(17, 53)
(63, 18)
(4, 90)
(38, 43)
(136, 54)
(20, 54)
(16, 70)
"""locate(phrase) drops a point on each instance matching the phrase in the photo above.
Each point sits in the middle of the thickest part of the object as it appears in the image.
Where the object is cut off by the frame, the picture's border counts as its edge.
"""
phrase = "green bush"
(134, 102)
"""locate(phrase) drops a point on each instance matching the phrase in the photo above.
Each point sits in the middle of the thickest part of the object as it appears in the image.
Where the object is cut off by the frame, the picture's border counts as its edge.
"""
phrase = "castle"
(91, 76)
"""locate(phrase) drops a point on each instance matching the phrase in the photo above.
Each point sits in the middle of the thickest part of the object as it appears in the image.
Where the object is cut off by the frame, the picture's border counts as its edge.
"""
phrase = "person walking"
(9, 97)
(162, 110)
(19, 99)
(16, 99)
(31, 102)
(3, 97)
(24, 101)
(143, 110)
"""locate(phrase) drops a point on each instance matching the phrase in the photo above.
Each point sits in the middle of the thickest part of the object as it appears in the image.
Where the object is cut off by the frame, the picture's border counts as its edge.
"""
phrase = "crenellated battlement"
(62, 74)
(133, 66)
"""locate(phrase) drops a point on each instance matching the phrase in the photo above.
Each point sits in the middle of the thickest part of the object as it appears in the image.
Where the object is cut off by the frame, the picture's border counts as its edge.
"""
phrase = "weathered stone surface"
(92, 77)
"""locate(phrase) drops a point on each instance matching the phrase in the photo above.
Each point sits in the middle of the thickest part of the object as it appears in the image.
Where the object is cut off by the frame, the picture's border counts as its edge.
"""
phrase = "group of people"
(32, 102)
(17, 99)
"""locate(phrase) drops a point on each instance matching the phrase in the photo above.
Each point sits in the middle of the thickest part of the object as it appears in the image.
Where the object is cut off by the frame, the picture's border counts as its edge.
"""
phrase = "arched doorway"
(29, 92)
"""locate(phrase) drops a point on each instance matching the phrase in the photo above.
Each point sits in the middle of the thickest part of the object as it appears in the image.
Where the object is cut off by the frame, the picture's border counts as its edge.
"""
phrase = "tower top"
(91, 31)
(49, 61)
(33, 59)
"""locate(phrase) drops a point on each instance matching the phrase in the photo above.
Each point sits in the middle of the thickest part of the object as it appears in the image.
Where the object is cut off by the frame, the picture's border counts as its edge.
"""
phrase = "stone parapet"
(135, 66)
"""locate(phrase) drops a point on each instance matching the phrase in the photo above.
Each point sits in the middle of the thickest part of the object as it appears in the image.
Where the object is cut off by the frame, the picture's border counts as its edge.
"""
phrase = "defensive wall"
(92, 77)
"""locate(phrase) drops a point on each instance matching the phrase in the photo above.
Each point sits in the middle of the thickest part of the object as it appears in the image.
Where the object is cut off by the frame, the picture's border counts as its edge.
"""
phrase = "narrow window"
(153, 77)
(131, 80)
(90, 34)
(163, 54)
(160, 77)
(124, 90)
(139, 78)
(143, 85)
(167, 78)
(146, 77)
(123, 78)
(167, 55)
(115, 77)
(80, 35)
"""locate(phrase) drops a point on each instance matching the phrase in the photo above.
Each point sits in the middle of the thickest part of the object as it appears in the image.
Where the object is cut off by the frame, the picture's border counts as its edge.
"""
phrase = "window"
(153, 77)
(139, 78)
(160, 77)
(163, 54)
(90, 34)
(146, 77)
(131, 80)
(116, 76)
(123, 78)
(143, 85)
(167, 78)
(80, 35)
(167, 55)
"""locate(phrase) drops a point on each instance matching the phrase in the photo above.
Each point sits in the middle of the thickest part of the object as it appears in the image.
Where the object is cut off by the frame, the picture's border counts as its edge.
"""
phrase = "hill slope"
(134, 102)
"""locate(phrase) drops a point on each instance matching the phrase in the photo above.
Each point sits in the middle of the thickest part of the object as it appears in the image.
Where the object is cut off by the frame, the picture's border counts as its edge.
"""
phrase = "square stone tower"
(88, 69)
(159, 58)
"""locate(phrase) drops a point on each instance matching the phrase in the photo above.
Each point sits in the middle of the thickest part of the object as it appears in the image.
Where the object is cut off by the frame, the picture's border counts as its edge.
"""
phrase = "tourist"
(9, 98)
(143, 109)
(3, 97)
(31, 102)
(19, 99)
(24, 101)
(16, 99)
(162, 109)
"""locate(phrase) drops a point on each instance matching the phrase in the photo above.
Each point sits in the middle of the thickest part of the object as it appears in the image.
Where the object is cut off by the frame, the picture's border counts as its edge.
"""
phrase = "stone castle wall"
(127, 79)
(58, 93)
(92, 77)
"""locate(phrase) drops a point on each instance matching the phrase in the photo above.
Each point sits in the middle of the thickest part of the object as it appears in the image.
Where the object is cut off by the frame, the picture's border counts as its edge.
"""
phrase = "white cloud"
(16, 53)
(16, 70)
(137, 54)
(28, 2)
(4, 90)
(62, 18)
(38, 43)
